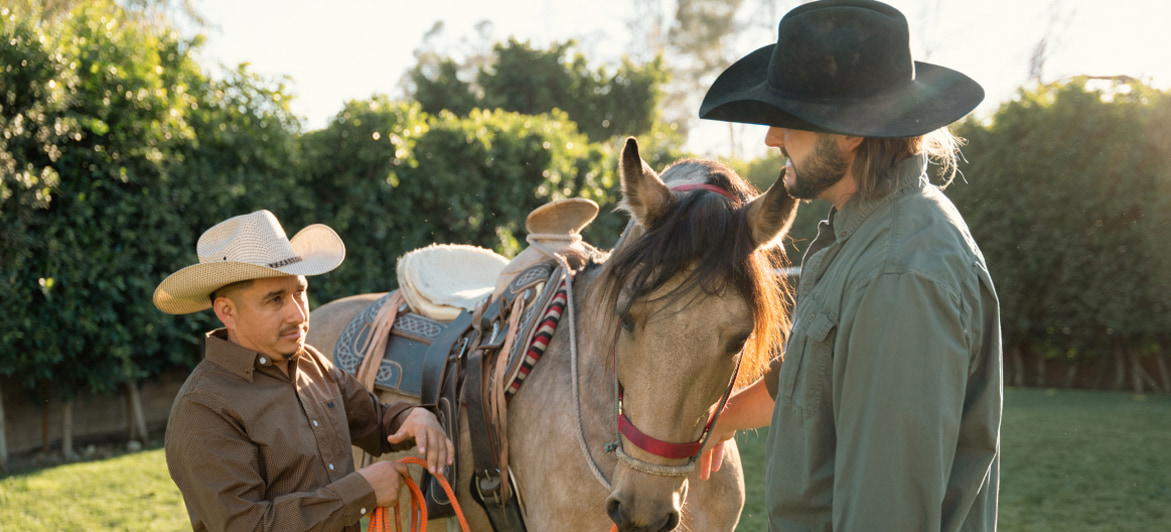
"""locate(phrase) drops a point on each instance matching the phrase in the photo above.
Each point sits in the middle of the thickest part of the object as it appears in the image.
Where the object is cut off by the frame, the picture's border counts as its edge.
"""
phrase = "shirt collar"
(234, 358)
(909, 174)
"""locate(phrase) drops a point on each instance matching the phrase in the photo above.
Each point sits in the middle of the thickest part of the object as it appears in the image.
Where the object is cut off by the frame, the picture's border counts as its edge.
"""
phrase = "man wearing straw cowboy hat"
(885, 413)
(259, 435)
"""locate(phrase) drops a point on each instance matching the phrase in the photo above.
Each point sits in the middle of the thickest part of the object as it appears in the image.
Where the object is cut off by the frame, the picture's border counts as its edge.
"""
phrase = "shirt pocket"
(803, 374)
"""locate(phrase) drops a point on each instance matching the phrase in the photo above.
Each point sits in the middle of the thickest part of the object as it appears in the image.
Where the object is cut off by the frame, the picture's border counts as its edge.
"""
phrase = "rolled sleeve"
(900, 369)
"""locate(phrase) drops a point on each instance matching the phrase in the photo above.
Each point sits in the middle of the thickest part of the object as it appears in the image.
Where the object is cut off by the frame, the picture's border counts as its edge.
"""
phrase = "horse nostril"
(614, 510)
(672, 521)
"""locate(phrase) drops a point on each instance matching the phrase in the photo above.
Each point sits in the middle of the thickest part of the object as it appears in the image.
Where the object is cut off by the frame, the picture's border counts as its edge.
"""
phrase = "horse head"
(696, 308)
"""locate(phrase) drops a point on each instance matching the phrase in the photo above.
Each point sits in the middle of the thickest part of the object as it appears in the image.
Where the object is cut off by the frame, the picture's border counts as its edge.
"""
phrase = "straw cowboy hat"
(841, 66)
(245, 247)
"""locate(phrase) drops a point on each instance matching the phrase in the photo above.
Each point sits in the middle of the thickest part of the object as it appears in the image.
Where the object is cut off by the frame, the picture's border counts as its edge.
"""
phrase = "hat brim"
(936, 97)
(187, 290)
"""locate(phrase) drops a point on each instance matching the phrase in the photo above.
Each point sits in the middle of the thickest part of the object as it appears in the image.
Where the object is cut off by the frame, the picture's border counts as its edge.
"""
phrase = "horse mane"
(711, 233)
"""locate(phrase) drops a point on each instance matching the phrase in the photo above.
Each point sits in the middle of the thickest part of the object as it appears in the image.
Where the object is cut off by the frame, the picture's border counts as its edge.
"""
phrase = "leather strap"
(435, 361)
(489, 486)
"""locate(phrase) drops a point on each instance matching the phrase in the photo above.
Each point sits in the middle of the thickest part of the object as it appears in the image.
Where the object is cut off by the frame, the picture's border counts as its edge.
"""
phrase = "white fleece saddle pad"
(441, 280)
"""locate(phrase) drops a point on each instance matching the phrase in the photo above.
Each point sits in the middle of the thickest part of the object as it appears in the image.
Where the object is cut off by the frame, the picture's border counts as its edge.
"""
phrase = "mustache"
(293, 329)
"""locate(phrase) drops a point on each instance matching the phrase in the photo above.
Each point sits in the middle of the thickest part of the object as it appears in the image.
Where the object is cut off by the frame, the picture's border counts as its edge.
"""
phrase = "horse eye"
(626, 323)
(737, 345)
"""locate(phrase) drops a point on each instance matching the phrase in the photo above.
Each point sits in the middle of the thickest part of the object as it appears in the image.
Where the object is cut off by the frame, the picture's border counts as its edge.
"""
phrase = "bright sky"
(350, 49)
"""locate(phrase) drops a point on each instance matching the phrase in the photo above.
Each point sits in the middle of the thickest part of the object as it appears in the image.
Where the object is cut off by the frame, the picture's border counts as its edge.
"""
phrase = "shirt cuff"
(357, 495)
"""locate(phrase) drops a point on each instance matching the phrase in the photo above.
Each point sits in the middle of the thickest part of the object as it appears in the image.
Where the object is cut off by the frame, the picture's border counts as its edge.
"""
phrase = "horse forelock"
(706, 237)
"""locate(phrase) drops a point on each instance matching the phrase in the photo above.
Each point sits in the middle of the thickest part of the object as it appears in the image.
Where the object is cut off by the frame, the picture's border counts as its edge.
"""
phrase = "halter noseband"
(650, 444)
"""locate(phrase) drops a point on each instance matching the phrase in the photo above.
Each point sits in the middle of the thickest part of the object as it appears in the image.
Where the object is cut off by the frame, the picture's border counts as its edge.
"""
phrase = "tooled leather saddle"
(466, 361)
(479, 358)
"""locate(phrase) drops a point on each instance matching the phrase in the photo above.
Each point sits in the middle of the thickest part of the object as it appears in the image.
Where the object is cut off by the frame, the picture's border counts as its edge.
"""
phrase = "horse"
(684, 307)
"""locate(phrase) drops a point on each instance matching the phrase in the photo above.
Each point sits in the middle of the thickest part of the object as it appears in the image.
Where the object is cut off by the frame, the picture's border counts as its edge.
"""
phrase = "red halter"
(650, 444)
(704, 186)
(655, 446)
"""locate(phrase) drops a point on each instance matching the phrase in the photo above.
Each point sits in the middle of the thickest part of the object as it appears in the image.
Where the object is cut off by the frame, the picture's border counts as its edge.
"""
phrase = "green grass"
(1072, 461)
(128, 492)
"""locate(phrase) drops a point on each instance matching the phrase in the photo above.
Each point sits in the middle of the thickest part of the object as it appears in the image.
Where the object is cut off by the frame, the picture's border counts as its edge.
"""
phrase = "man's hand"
(387, 480)
(713, 455)
(422, 426)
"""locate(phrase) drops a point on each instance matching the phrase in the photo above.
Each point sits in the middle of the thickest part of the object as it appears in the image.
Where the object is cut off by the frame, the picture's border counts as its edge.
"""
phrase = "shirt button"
(263, 360)
(314, 422)
(331, 467)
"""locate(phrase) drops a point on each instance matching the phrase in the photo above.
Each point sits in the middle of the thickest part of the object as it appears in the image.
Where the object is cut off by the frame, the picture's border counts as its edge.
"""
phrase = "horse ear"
(645, 195)
(771, 214)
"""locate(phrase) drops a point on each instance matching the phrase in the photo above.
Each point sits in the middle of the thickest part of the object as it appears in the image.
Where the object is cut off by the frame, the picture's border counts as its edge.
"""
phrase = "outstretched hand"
(713, 457)
(423, 427)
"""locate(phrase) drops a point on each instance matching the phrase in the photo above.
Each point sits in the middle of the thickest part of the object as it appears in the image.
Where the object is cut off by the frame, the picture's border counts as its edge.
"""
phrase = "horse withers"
(684, 307)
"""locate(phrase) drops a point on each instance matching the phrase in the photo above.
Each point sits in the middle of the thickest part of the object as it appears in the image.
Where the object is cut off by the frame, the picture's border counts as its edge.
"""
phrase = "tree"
(522, 79)
(134, 152)
(1069, 184)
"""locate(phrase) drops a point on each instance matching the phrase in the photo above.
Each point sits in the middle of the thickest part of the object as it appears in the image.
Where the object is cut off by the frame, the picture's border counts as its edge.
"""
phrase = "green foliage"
(390, 178)
(1068, 201)
(438, 88)
(531, 81)
(116, 110)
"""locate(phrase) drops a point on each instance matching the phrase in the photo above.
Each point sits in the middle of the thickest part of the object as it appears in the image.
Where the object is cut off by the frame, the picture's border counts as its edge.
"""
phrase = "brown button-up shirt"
(253, 449)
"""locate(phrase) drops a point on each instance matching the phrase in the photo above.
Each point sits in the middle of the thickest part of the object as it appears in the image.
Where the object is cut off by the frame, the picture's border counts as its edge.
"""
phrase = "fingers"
(439, 451)
(705, 465)
(717, 456)
(430, 440)
(402, 469)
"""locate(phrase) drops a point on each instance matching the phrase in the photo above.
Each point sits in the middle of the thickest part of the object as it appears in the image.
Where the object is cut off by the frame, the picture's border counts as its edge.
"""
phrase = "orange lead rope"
(380, 521)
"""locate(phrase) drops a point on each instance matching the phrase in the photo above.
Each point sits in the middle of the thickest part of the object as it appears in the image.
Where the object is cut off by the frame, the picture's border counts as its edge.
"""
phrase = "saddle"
(469, 336)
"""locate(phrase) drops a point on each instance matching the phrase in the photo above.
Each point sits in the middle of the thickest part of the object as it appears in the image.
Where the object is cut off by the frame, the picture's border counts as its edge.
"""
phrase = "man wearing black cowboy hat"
(885, 414)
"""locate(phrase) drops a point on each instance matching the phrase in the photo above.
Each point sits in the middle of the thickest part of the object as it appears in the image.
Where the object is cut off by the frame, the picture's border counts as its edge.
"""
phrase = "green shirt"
(888, 403)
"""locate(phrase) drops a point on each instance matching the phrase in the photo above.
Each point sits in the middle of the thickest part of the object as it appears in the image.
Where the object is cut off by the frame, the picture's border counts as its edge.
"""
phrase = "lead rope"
(597, 471)
(380, 521)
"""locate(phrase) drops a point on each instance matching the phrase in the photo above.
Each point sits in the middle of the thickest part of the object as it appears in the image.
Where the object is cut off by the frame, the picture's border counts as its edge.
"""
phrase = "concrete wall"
(94, 418)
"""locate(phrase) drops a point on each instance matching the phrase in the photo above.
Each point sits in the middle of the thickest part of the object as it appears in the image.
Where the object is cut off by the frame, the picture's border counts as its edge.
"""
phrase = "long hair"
(712, 234)
(876, 158)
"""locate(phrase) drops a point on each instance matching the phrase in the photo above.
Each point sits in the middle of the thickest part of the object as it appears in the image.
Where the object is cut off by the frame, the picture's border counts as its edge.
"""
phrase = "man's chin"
(291, 350)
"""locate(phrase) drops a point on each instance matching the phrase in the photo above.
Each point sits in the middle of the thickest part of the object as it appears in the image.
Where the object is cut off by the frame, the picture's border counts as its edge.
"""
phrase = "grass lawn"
(128, 492)
(1072, 461)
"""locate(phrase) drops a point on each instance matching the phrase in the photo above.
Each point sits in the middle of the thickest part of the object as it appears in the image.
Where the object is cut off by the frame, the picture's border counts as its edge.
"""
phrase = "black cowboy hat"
(841, 66)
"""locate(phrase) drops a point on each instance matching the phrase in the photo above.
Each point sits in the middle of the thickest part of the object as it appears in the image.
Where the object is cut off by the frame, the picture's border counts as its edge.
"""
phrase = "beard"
(824, 168)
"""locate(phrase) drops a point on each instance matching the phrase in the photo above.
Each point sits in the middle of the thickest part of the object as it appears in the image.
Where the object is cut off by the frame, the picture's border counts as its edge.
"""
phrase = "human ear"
(849, 143)
(225, 310)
